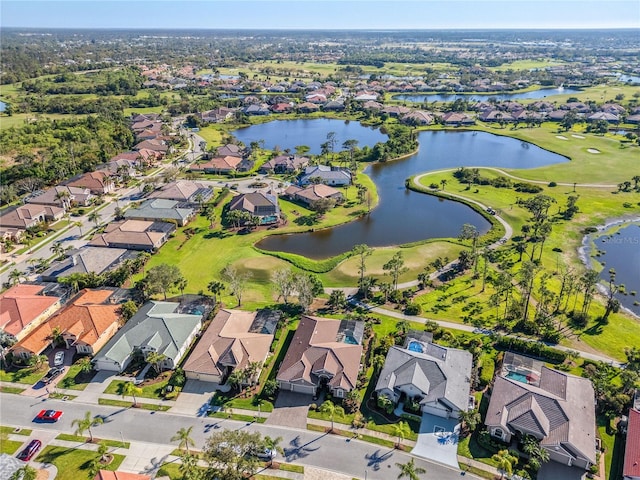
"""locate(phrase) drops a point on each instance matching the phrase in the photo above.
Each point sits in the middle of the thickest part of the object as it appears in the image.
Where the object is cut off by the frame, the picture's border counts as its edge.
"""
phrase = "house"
(455, 119)
(187, 191)
(285, 164)
(333, 106)
(119, 475)
(631, 468)
(233, 340)
(134, 235)
(98, 182)
(159, 209)
(417, 117)
(307, 107)
(9, 234)
(226, 164)
(24, 307)
(313, 193)
(555, 407)
(262, 109)
(323, 352)
(62, 196)
(326, 174)
(156, 327)
(607, 117)
(30, 215)
(87, 259)
(86, 323)
(217, 115)
(495, 116)
(396, 111)
(262, 205)
(437, 377)
(230, 150)
(158, 146)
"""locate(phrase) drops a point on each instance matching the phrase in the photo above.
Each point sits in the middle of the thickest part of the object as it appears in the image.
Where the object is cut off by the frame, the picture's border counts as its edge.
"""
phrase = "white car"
(58, 359)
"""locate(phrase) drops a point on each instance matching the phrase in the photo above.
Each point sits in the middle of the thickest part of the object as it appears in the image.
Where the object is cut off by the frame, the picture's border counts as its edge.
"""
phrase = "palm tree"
(85, 364)
(25, 472)
(14, 276)
(37, 361)
(155, 359)
(237, 378)
(63, 196)
(505, 461)
(57, 249)
(182, 285)
(130, 389)
(332, 409)
(94, 217)
(216, 288)
(410, 470)
(84, 424)
(183, 436)
(273, 444)
(79, 225)
(402, 431)
(443, 182)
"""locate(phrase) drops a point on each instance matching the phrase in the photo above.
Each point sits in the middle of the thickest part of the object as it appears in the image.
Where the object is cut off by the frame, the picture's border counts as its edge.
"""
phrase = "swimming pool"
(415, 347)
(518, 377)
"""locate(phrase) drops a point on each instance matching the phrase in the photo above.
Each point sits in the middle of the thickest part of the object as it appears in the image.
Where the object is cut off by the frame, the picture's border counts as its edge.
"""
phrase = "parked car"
(30, 450)
(48, 416)
(58, 359)
(491, 211)
(51, 374)
(267, 454)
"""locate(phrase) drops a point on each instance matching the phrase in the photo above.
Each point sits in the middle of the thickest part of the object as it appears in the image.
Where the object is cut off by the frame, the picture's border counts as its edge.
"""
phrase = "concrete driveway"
(438, 440)
(554, 471)
(195, 396)
(290, 410)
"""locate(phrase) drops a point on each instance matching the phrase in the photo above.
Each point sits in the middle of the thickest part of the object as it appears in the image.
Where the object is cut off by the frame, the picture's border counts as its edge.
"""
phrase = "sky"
(320, 14)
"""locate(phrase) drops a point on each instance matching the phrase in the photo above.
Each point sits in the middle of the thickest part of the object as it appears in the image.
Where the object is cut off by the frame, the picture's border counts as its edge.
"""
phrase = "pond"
(312, 133)
(619, 249)
(403, 216)
(3, 106)
(479, 97)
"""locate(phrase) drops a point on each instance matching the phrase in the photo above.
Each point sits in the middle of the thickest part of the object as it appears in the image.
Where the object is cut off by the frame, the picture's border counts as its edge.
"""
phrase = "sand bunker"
(593, 150)
(561, 137)
(578, 136)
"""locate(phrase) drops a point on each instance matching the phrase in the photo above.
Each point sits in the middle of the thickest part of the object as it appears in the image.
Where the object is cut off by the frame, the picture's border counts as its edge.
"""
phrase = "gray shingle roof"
(155, 325)
(159, 209)
(442, 374)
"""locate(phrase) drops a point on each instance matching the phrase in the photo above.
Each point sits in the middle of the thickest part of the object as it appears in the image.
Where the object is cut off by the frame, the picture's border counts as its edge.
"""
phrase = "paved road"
(330, 452)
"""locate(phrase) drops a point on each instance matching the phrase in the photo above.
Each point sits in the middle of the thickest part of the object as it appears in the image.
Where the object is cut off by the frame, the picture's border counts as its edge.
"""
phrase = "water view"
(3, 106)
(291, 133)
(621, 251)
(479, 97)
(404, 216)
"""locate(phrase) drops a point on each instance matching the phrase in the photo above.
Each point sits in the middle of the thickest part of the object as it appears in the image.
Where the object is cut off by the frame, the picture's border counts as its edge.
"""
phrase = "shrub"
(487, 370)
(413, 309)
(553, 184)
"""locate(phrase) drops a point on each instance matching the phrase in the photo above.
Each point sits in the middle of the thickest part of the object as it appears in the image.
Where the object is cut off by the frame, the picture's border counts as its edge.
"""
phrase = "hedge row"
(536, 349)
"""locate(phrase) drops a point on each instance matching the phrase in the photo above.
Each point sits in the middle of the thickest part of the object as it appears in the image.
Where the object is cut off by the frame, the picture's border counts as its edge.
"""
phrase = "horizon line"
(330, 29)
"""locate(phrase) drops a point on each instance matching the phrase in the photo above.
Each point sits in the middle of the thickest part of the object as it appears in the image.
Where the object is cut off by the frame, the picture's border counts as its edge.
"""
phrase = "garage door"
(307, 389)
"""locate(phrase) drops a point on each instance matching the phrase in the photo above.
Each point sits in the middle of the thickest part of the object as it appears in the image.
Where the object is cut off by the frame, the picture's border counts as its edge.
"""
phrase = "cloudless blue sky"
(321, 14)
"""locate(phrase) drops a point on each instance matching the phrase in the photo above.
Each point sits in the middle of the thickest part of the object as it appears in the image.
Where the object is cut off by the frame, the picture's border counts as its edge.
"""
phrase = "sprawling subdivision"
(307, 254)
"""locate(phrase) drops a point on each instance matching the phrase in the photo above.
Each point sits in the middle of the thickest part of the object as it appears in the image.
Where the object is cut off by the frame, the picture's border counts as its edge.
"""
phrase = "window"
(339, 393)
(498, 433)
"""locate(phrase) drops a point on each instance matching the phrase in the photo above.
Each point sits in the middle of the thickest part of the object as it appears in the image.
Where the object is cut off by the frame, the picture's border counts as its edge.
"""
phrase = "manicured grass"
(237, 416)
(17, 390)
(81, 439)
(287, 467)
(144, 406)
(26, 375)
(75, 379)
(74, 463)
(61, 396)
(237, 401)
(148, 391)
(4, 431)
(131, 111)
(171, 470)
(19, 119)
(613, 448)
(9, 446)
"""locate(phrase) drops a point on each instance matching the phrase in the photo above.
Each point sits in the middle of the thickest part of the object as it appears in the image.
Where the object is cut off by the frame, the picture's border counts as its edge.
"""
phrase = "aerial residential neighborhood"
(301, 241)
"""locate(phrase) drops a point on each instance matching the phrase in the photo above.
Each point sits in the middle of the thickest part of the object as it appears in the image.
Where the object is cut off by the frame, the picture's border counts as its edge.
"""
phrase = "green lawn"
(74, 463)
(16, 390)
(27, 375)
(75, 379)
(613, 448)
(82, 439)
(148, 391)
(144, 406)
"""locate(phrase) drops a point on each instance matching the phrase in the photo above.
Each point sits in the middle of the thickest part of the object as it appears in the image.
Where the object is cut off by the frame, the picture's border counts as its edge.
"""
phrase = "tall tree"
(163, 278)
(284, 283)
(470, 232)
(86, 423)
(237, 281)
(332, 410)
(130, 389)
(395, 267)
(95, 217)
(216, 288)
(183, 437)
(410, 470)
(362, 251)
(401, 430)
(228, 453)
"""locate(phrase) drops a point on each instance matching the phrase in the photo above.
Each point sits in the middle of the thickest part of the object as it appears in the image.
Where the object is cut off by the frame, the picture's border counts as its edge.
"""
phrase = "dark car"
(48, 416)
(30, 450)
(51, 374)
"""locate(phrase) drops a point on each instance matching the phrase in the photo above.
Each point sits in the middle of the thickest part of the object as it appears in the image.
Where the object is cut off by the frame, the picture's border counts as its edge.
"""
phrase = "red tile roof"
(632, 450)
(20, 305)
(108, 475)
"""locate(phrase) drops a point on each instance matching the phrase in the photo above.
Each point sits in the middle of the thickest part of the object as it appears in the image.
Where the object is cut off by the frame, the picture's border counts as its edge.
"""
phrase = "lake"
(479, 97)
(403, 216)
(291, 133)
(621, 251)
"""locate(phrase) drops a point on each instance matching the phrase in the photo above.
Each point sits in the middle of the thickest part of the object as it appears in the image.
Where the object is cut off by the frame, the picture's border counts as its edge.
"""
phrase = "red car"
(49, 416)
(30, 450)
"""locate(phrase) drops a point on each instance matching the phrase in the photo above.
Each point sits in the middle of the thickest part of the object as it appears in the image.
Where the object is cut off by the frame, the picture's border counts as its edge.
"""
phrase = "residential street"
(330, 452)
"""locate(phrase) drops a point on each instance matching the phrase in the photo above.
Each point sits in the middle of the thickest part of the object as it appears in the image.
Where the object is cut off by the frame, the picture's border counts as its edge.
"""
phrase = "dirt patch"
(593, 150)
(578, 136)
